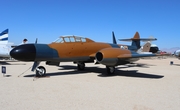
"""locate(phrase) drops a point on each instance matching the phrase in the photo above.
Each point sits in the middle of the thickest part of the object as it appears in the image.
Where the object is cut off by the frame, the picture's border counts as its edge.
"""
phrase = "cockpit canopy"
(66, 39)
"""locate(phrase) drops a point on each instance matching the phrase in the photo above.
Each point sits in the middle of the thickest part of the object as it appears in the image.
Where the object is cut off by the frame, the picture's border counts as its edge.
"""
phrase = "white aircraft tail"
(4, 37)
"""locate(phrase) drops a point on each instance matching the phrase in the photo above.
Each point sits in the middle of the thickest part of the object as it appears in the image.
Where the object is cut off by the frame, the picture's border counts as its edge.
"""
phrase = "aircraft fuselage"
(64, 52)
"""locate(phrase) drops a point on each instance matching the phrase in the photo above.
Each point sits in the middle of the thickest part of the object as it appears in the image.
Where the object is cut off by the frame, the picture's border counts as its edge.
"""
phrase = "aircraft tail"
(145, 48)
(113, 37)
(4, 37)
(135, 45)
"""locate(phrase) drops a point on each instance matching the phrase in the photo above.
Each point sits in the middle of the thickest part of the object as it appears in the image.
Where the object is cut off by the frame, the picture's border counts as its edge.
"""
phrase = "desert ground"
(150, 84)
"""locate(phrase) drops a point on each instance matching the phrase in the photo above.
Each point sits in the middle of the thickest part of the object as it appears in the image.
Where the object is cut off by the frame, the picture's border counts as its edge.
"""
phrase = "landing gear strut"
(110, 70)
(80, 66)
(40, 71)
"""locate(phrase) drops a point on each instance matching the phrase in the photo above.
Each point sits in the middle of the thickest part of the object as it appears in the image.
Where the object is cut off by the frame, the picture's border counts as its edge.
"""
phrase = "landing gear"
(40, 71)
(110, 70)
(80, 66)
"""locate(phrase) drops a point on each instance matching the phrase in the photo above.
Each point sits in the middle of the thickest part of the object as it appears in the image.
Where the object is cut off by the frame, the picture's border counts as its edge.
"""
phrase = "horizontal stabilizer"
(141, 39)
(137, 37)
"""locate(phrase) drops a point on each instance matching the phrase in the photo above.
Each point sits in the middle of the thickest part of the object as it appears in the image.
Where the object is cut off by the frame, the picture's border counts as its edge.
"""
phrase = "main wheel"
(110, 70)
(81, 66)
(40, 71)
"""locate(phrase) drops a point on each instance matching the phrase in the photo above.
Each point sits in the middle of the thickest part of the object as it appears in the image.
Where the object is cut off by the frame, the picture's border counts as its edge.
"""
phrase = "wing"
(136, 55)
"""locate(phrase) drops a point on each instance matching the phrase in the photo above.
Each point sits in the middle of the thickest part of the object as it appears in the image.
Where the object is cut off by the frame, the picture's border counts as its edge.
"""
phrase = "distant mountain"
(170, 50)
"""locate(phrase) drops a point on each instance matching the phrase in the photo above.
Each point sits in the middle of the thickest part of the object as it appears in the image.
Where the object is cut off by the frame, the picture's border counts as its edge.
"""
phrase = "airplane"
(154, 48)
(145, 48)
(177, 54)
(136, 44)
(79, 50)
(4, 44)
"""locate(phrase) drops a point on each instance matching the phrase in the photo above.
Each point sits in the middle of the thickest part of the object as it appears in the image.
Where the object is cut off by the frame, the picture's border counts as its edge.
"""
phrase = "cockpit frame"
(68, 39)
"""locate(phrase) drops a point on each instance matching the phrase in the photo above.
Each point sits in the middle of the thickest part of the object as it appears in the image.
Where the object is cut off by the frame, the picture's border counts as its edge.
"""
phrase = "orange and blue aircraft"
(79, 50)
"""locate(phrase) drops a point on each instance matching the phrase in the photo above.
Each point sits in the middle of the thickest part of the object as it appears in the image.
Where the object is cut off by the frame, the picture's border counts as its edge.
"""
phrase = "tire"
(40, 71)
(110, 70)
(81, 66)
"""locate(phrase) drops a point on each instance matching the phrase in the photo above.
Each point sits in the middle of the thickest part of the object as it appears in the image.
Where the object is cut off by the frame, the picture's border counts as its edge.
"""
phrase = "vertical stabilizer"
(113, 37)
(145, 48)
(136, 41)
(136, 36)
(135, 45)
(4, 37)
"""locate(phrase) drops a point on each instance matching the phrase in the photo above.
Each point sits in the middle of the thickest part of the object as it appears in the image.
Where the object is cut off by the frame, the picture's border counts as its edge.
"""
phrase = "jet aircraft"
(136, 42)
(135, 46)
(79, 50)
(177, 54)
(5, 46)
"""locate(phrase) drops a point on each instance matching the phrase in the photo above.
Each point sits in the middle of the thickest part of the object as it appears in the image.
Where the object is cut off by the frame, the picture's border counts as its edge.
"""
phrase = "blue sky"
(95, 19)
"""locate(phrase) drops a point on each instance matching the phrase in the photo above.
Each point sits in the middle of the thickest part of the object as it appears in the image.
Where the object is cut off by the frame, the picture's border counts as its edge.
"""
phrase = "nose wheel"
(40, 71)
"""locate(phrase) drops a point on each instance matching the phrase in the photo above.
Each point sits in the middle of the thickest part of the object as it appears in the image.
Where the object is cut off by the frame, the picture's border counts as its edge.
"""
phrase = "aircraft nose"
(26, 52)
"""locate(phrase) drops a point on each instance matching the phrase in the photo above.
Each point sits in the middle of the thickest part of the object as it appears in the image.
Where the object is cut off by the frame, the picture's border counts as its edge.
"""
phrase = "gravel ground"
(151, 84)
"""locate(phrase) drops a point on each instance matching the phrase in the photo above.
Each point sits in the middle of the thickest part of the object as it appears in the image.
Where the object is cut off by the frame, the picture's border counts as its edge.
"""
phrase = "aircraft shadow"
(100, 71)
(135, 65)
(6, 63)
(135, 73)
(64, 67)
(176, 64)
(7, 76)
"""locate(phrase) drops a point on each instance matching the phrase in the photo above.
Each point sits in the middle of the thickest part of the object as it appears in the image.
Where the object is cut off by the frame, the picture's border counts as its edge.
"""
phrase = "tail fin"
(136, 41)
(113, 37)
(4, 36)
(145, 48)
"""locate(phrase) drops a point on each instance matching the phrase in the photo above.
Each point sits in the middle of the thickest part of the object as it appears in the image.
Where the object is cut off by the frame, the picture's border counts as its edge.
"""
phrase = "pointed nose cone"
(26, 52)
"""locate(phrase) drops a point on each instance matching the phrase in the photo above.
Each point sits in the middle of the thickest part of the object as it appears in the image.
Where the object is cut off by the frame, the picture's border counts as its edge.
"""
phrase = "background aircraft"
(177, 53)
(80, 51)
(136, 46)
(136, 43)
(5, 46)
(154, 48)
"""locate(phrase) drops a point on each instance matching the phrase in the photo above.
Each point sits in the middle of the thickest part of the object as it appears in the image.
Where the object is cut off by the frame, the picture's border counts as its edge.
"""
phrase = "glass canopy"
(63, 39)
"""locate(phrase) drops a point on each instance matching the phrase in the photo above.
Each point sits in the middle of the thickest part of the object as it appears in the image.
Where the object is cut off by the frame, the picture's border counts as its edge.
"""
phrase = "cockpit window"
(78, 39)
(59, 40)
(66, 39)
(83, 39)
(70, 39)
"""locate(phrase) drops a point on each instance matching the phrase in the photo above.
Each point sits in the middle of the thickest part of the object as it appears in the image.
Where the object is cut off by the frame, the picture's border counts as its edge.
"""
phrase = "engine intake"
(99, 56)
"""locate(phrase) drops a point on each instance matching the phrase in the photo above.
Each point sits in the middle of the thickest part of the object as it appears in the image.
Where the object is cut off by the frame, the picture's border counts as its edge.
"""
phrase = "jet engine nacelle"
(109, 56)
